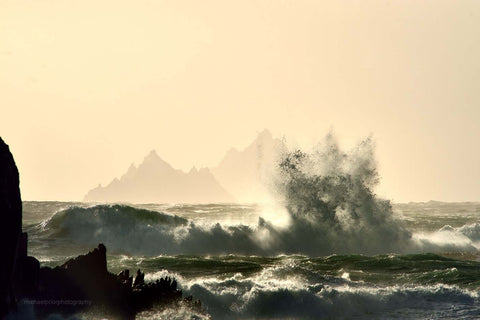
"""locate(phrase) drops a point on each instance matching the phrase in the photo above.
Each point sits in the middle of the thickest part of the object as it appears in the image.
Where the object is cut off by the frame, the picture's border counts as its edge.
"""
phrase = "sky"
(88, 87)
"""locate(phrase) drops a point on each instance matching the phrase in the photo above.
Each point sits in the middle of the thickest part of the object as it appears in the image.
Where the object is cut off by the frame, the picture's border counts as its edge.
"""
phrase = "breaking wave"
(345, 302)
(138, 231)
(361, 287)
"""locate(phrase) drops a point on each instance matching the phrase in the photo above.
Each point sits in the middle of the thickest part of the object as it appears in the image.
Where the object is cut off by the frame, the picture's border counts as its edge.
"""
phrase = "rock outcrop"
(84, 282)
(10, 228)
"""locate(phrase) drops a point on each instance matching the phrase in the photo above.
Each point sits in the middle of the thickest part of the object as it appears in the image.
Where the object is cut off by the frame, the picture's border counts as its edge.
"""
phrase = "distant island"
(240, 176)
(154, 180)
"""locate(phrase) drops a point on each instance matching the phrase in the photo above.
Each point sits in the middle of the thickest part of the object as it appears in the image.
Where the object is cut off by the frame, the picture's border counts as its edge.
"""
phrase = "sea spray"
(329, 196)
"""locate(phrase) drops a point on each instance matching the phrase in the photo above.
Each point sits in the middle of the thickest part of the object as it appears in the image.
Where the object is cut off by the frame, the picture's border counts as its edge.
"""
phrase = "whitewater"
(328, 248)
(440, 284)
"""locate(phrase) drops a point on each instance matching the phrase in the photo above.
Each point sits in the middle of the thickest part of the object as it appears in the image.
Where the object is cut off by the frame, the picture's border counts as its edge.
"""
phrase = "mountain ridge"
(155, 180)
(241, 175)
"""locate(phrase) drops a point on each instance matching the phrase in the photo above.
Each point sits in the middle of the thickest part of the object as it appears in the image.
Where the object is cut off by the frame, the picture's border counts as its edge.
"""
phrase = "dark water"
(240, 269)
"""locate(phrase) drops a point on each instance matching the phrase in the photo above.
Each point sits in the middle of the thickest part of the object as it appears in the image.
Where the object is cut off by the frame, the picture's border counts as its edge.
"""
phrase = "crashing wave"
(329, 196)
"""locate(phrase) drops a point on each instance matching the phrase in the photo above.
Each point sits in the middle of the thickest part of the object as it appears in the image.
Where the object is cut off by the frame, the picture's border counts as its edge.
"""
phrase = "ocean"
(252, 261)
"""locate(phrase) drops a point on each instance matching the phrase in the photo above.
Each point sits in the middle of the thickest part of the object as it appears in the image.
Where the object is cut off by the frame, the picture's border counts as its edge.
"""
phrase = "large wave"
(127, 229)
(361, 287)
(329, 196)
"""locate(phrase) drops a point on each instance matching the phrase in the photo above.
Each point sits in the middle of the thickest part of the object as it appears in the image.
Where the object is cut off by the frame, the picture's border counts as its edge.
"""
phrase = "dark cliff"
(10, 226)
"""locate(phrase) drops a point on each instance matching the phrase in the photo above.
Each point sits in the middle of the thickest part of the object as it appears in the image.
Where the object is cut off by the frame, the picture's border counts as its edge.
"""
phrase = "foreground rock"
(84, 283)
(10, 226)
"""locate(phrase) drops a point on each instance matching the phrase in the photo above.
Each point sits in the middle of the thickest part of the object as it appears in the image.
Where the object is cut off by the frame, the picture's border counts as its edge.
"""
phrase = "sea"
(260, 261)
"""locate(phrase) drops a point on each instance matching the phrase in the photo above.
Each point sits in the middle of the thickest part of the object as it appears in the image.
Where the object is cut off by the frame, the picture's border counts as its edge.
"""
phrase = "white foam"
(447, 238)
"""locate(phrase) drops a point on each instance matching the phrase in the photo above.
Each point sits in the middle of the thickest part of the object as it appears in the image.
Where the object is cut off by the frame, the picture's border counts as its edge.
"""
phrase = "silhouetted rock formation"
(10, 233)
(26, 273)
(154, 180)
(85, 283)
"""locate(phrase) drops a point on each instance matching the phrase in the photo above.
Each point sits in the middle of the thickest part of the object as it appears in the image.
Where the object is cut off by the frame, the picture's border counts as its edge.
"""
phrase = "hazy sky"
(87, 87)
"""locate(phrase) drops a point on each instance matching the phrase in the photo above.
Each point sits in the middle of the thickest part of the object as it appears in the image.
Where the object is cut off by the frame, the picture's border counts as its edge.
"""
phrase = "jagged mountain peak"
(154, 180)
(152, 156)
(155, 161)
(264, 135)
(131, 172)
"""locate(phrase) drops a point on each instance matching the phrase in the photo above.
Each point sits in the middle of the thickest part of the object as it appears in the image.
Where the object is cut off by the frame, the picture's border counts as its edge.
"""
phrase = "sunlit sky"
(88, 87)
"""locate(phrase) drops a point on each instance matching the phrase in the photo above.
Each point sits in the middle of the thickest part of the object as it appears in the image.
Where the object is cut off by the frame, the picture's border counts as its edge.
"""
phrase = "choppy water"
(243, 268)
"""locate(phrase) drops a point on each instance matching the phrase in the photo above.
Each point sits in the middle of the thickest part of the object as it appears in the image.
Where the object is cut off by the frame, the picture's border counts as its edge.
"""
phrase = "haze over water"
(88, 88)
